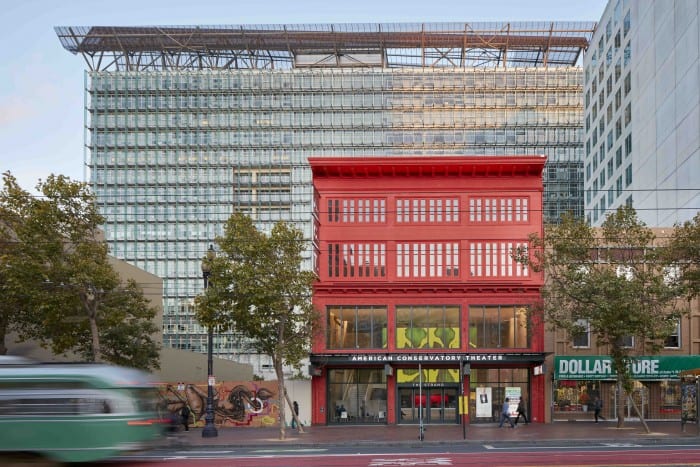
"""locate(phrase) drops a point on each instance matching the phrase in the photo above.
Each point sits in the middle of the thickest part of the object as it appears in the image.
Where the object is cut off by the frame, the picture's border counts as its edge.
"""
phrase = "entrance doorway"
(439, 405)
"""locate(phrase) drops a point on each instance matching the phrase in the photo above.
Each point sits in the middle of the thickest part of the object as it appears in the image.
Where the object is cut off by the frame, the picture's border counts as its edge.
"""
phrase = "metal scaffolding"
(426, 45)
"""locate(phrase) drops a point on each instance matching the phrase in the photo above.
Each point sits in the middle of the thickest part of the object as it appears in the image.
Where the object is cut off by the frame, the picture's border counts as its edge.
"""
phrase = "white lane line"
(292, 450)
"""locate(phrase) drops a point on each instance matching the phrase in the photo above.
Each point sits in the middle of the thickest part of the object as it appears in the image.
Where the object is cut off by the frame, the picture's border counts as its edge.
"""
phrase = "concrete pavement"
(575, 432)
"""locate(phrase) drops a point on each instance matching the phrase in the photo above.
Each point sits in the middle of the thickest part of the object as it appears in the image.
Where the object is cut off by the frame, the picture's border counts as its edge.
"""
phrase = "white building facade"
(642, 111)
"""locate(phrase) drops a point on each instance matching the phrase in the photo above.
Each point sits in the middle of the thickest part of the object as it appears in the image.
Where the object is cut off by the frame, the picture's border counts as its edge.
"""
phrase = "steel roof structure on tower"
(460, 45)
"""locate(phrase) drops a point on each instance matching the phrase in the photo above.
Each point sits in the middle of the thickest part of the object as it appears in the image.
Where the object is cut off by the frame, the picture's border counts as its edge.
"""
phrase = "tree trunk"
(639, 414)
(91, 307)
(620, 397)
(294, 415)
(3, 332)
(282, 391)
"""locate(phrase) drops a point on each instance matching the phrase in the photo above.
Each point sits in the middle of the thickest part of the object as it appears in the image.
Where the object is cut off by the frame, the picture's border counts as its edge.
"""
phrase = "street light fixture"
(209, 430)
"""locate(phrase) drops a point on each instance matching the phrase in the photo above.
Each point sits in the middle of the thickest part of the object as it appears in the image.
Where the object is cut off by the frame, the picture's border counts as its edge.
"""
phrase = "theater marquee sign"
(437, 358)
(644, 368)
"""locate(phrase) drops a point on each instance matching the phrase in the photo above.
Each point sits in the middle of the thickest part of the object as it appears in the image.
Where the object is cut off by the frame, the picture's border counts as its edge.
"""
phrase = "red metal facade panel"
(423, 231)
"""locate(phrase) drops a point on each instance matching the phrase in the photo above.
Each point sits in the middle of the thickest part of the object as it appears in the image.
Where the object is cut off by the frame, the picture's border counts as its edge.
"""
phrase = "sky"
(42, 84)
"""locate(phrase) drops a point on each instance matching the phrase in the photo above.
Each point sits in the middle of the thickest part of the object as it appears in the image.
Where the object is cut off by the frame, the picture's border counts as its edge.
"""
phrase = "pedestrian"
(295, 407)
(185, 417)
(597, 407)
(521, 411)
(505, 414)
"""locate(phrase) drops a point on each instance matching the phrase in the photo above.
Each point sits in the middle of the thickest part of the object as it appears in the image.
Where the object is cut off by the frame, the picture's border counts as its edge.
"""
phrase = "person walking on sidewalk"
(185, 417)
(295, 407)
(521, 411)
(597, 407)
(505, 414)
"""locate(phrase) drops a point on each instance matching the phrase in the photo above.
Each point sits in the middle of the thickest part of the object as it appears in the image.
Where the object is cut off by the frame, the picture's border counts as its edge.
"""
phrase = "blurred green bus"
(74, 412)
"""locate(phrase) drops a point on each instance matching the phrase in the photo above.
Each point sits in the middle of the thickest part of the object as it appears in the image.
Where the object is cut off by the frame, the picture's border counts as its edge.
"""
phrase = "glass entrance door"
(438, 405)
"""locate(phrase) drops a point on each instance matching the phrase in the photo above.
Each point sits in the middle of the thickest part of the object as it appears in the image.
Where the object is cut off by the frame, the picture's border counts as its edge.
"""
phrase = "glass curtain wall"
(173, 153)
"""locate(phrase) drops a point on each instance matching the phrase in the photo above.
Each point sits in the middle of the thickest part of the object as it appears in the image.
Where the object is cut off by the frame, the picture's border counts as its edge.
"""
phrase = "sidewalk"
(578, 432)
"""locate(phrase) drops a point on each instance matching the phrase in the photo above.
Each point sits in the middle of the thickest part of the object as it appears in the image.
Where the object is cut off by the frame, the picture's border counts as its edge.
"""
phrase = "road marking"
(408, 461)
(198, 453)
(622, 445)
(268, 451)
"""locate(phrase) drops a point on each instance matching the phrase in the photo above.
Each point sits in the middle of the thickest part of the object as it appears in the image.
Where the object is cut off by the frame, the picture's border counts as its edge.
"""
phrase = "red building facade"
(426, 316)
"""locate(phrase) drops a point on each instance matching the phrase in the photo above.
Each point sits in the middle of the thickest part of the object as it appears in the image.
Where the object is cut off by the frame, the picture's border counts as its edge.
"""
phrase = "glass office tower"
(642, 112)
(187, 125)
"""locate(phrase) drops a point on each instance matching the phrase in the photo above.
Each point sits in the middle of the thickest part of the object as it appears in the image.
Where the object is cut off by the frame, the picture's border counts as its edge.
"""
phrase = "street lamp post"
(209, 430)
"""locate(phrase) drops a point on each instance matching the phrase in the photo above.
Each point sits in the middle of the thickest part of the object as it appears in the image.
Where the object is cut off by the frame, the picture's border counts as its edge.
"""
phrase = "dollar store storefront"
(656, 392)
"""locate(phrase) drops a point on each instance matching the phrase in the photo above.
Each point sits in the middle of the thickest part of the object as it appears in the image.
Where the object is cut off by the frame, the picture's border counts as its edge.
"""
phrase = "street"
(561, 453)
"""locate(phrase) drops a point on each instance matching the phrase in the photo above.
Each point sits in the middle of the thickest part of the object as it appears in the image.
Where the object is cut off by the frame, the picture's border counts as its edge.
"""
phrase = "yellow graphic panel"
(427, 338)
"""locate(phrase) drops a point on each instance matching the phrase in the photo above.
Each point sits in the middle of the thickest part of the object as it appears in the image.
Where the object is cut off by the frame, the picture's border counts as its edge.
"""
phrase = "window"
(494, 259)
(357, 260)
(427, 210)
(625, 271)
(509, 210)
(618, 186)
(498, 326)
(427, 260)
(618, 99)
(627, 23)
(427, 327)
(357, 327)
(610, 168)
(627, 85)
(351, 390)
(618, 157)
(627, 341)
(628, 176)
(582, 336)
(352, 211)
(673, 341)
(672, 275)
(628, 145)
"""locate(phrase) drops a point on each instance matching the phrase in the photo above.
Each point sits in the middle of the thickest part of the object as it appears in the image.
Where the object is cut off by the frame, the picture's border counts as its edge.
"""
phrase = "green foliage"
(615, 278)
(684, 252)
(64, 292)
(256, 288)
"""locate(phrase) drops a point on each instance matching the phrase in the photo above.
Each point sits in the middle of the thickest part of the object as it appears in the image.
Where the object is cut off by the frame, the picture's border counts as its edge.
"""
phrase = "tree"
(684, 251)
(66, 294)
(614, 280)
(258, 289)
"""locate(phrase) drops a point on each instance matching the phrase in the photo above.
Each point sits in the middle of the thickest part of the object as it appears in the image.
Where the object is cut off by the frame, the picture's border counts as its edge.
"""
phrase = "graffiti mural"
(252, 403)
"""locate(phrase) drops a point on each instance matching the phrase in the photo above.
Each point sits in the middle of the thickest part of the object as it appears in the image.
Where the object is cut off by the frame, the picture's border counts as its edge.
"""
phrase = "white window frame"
(678, 334)
(584, 323)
